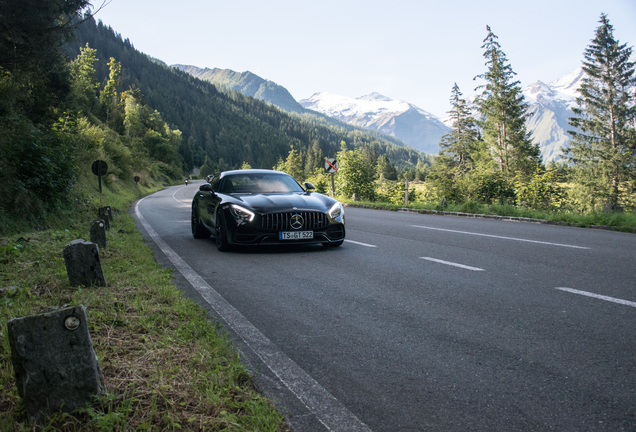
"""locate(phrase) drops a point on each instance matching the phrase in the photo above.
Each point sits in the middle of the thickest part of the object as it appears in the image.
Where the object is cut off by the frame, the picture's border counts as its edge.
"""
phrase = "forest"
(72, 90)
(491, 158)
(224, 125)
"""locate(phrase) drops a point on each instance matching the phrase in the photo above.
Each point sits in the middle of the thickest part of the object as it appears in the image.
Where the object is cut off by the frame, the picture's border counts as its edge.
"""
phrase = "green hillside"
(248, 84)
(226, 126)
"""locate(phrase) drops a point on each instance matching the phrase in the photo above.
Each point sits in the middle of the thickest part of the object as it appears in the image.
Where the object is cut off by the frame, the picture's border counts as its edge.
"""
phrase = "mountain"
(550, 108)
(416, 127)
(247, 83)
(225, 129)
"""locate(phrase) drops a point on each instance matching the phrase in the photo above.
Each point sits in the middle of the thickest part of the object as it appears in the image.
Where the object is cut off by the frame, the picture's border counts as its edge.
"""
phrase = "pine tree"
(604, 148)
(108, 96)
(385, 169)
(83, 82)
(459, 143)
(504, 113)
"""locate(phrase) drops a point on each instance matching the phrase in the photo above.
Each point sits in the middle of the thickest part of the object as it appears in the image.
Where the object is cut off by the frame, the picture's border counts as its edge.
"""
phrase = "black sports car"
(265, 207)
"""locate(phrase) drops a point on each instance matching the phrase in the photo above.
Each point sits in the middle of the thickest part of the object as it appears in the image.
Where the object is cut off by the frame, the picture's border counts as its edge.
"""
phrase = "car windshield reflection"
(258, 184)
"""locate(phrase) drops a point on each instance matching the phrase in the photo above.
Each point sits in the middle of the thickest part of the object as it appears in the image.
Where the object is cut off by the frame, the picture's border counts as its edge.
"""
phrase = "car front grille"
(281, 221)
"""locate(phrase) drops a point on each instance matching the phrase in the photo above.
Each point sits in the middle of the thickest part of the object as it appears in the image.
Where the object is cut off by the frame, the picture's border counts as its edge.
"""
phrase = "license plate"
(295, 235)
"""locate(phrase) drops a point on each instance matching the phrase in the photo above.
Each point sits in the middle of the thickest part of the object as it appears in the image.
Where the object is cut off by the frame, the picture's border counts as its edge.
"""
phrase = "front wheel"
(221, 234)
(198, 230)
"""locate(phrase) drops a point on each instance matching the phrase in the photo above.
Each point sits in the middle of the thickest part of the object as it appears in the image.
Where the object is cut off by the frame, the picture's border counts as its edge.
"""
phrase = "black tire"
(333, 244)
(221, 234)
(198, 230)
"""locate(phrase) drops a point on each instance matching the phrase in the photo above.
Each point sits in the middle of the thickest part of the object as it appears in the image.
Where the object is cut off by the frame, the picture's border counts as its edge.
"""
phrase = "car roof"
(251, 171)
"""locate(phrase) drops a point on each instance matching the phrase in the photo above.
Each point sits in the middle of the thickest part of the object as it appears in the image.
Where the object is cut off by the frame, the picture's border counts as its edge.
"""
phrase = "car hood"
(274, 203)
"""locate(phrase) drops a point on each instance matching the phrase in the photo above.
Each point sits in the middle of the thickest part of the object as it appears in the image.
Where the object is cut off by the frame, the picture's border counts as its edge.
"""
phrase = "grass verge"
(615, 221)
(166, 364)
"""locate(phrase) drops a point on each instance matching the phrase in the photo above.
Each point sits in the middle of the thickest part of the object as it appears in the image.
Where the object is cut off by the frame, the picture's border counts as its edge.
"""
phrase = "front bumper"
(265, 229)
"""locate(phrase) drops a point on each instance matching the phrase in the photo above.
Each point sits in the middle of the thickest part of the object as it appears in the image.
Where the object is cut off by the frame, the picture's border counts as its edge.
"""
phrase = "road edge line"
(327, 409)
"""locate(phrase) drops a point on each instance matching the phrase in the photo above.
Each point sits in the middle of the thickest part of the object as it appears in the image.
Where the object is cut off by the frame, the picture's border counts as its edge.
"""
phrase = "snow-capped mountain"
(416, 127)
(550, 108)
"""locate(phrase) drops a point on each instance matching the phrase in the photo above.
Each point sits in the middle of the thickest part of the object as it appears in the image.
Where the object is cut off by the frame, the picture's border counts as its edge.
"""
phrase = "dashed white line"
(502, 237)
(452, 264)
(598, 296)
(361, 244)
(327, 409)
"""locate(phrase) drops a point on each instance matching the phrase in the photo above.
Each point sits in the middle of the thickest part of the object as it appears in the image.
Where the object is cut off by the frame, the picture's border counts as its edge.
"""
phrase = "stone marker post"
(103, 213)
(54, 361)
(83, 265)
(98, 233)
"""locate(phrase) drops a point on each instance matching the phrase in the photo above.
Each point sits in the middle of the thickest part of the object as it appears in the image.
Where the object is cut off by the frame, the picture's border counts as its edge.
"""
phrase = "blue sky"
(403, 49)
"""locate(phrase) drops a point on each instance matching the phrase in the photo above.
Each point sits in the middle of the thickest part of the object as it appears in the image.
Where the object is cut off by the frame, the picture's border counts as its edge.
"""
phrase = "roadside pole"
(331, 166)
(406, 192)
(99, 168)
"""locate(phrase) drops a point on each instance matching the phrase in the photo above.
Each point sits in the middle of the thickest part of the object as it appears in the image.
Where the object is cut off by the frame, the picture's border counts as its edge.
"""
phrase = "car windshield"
(259, 184)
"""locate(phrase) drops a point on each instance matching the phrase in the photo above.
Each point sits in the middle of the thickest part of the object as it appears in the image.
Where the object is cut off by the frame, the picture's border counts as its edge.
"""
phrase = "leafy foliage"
(541, 192)
(224, 125)
(293, 166)
(37, 133)
(356, 174)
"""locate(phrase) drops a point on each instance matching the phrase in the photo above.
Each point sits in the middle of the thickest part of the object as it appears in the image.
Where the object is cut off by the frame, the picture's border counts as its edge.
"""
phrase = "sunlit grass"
(167, 365)
(619, 221)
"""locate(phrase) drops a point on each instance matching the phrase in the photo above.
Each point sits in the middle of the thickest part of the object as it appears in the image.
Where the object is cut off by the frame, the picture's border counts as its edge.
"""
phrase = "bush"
(541, 191)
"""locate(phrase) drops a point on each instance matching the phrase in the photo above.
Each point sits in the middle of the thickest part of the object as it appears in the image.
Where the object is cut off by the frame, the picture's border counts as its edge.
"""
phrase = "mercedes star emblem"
(296, 221)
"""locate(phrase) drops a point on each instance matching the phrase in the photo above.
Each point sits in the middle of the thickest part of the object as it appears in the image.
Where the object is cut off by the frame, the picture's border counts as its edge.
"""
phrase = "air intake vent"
(282, 221)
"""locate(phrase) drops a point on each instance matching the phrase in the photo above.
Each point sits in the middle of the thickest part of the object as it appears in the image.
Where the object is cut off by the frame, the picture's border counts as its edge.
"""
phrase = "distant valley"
(549, 109)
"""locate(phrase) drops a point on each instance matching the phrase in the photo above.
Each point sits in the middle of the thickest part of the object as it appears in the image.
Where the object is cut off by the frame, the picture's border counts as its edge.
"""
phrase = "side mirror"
(205, 187)
(309, 186)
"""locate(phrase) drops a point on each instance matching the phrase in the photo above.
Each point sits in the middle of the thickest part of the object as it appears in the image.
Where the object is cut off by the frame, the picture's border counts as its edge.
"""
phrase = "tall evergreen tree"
(385, 169)
(604, 148)
(460, 142)
(504, 113)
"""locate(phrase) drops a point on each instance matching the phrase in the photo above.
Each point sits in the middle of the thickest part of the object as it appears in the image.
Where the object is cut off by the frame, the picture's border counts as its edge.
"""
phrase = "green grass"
(615, 221)
(167, 365)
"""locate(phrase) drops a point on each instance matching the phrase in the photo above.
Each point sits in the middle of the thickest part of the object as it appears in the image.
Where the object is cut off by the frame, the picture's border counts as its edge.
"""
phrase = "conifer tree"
(504, 113)
(108, 96)
(385, 169)
(459, 143)
(603, 150)
(83, 82)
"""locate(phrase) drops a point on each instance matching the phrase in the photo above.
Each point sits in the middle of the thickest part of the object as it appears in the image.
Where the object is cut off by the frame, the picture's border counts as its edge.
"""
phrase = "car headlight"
(241, 214)
(336, 213)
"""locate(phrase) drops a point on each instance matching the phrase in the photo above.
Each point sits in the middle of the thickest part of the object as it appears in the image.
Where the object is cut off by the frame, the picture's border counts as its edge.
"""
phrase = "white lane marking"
(598, 296)
(502, 237)
(361, 244)
(327, 409)
(175, 198)
(452, 264)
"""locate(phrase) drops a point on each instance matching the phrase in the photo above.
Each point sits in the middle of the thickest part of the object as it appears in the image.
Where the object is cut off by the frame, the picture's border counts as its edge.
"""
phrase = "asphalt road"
(422, 322)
